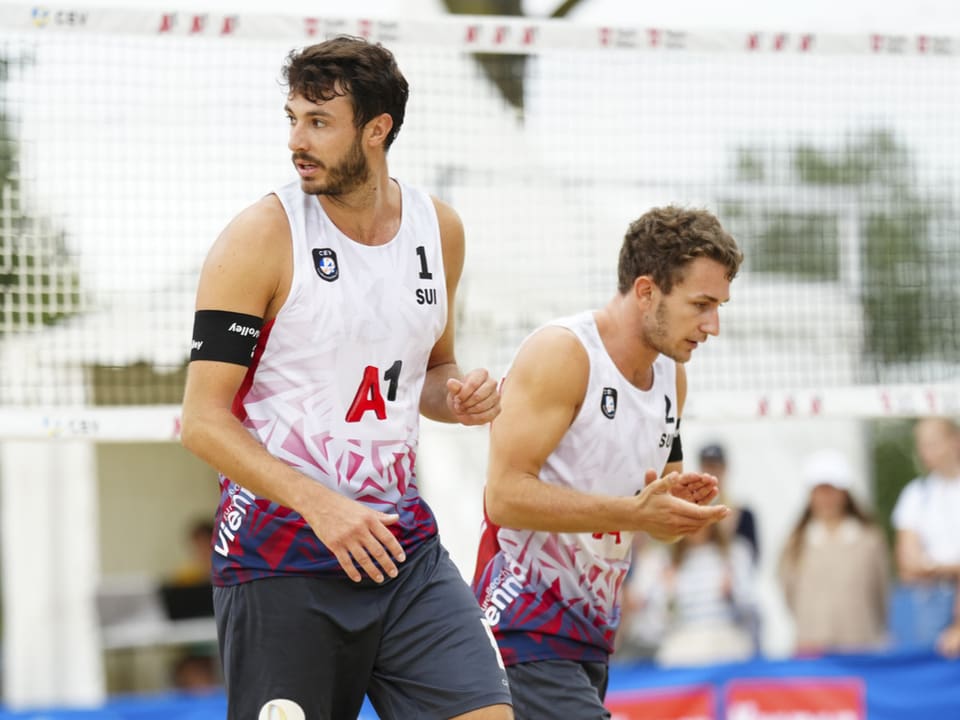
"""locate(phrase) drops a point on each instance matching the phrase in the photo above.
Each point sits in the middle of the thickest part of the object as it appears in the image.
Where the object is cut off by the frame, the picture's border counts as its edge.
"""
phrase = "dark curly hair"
(367, 73)
(663, 241)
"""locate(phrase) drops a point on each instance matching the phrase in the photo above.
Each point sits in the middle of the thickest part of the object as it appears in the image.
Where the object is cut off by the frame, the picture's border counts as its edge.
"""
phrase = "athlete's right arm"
(540, 398)
(248, 271)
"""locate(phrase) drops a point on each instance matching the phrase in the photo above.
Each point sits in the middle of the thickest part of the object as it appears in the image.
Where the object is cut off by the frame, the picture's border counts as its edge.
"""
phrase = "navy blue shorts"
(311, 647)
(559, 689)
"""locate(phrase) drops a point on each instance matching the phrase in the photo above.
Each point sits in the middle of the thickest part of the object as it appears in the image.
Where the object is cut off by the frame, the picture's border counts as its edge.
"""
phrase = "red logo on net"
(800, 699)
(690, 703)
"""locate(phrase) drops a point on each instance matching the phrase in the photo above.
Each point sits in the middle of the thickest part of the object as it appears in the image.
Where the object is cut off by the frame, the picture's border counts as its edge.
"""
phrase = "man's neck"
(369, 215)
(948, 471)
(621, 339)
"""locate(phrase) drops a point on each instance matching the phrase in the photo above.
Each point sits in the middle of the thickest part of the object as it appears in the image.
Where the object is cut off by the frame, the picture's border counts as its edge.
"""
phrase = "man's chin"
(680, 356)
(312, 187)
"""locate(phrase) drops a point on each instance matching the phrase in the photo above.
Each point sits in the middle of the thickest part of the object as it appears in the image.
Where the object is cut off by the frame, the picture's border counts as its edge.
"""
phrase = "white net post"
(48, 510)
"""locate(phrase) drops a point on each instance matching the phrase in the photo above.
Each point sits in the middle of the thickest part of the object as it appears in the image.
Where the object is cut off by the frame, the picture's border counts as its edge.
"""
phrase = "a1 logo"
(368, 396)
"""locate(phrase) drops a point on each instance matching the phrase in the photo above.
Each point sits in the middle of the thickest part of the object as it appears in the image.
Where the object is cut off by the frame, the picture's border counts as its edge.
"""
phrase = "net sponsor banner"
(790, 699)
(158, 423)
(883, 687)
(487, 34)
(162, 422)
(796, 699)
(853, 687)
(837, 402)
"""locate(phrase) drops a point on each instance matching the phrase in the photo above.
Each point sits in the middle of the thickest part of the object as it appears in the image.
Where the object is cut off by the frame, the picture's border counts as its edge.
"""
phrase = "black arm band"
(225, 336)
(676, 450)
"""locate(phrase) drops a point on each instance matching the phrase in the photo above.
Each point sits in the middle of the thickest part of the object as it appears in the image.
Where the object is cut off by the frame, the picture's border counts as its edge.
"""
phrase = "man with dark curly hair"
(324, 328)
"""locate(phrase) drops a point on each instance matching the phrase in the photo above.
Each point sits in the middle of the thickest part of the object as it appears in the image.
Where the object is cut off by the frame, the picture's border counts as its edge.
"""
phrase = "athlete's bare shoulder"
(556, 338)
(543, 388)
(261, 226)
(250, 263)
(556, 361)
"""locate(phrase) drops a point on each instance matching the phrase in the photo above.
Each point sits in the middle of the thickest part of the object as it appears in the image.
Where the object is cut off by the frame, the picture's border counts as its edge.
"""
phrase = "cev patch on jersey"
(608, 402)
(325, 263)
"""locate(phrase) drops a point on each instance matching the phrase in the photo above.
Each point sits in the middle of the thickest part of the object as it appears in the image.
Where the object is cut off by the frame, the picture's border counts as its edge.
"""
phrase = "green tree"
(39, 281)
(909, 265)
(909, 268)
(894, 466)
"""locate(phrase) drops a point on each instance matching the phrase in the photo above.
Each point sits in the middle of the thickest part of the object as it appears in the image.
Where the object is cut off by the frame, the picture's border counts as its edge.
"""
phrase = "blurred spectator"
(740, 525)
(187, 594)
(710, 594)
(197, 568)
(741, 521)
(188, 591)
(834, 567)
(927, 522)
(196, 672)
(643, 607)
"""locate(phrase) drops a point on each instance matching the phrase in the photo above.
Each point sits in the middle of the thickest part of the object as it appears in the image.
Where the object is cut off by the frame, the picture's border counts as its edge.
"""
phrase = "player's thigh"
(437, 658)
(285, 649)
(558, 689)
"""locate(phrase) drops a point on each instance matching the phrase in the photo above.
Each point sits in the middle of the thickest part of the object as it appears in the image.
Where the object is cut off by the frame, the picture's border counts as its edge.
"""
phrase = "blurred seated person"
(197, 568)
(709, 586)
(741, 521)
(188, 591)
(834, 567)
(926, 518)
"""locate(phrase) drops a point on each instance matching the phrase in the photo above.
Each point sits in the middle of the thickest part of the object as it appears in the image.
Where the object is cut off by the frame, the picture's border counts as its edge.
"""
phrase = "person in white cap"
(834, 566)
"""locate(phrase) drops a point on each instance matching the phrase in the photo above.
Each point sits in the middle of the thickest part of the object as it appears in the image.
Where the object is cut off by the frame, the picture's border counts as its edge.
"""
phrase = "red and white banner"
(479, 33)
(796, 699)
(834, 698)
(688, 703)
(162, 423)
(870, 401)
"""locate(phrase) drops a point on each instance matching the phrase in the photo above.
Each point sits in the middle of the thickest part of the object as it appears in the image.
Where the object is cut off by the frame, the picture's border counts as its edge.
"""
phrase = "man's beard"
(352, 172)
(656, 336)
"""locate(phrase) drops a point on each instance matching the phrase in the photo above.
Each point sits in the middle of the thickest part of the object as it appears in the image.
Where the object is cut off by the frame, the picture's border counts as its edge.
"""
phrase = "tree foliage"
(39, 282)
(908, 294)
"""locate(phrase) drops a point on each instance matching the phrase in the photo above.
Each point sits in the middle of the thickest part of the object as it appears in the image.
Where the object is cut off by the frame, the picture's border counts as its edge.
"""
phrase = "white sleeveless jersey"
(555, 595)
(334, 388)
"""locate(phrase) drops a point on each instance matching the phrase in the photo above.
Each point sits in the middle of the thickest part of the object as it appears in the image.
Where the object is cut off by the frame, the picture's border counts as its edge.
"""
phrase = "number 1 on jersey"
(368, 395)
(425, 274)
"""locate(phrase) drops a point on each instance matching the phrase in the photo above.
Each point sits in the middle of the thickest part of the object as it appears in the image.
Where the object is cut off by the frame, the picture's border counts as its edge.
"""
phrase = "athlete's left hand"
(699, 488)
(474, 400)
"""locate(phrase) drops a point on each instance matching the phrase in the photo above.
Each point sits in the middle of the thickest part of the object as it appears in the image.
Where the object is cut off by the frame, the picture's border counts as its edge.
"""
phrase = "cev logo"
(281, 709)
(40, 16)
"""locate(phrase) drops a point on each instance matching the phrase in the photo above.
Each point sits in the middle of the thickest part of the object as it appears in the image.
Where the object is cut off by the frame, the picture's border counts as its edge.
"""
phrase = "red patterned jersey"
(556, 595)
(334, 387)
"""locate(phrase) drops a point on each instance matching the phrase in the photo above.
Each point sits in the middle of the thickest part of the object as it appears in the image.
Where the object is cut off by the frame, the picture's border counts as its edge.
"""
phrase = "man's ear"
(377, 129)
(645, 290)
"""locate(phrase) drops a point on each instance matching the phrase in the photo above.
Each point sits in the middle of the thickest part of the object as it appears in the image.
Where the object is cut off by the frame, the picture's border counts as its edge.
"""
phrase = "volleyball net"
(129, 138)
